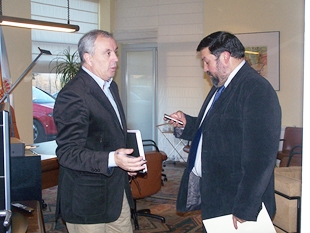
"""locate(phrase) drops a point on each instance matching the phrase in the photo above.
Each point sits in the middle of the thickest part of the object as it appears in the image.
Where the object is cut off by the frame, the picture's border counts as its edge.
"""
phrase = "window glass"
(45, 84)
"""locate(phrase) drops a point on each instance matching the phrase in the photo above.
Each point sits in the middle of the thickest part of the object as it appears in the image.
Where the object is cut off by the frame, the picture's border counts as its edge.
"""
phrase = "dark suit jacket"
(240, 143)
(88, 129)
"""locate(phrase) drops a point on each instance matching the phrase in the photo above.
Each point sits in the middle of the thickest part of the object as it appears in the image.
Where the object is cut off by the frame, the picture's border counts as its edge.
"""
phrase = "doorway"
(139, 87)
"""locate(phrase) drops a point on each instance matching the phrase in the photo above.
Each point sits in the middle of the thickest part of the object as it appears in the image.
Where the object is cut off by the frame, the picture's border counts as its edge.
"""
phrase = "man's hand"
(179, 115)
(235, 220)
(128, 163)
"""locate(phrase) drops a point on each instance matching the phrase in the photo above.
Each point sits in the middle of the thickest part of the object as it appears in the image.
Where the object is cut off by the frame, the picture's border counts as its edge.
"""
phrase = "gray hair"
(86, 43)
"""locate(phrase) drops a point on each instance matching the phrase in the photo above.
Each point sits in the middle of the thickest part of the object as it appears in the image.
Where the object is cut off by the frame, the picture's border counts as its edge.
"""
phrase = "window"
(81, 12)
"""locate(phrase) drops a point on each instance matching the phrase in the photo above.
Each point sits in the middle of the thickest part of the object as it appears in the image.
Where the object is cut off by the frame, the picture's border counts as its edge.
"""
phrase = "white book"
(134, 141)
(225, 224)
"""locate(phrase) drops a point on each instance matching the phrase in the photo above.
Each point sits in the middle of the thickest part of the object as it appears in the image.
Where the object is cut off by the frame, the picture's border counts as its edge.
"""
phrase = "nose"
(114, 57)
(205, 67)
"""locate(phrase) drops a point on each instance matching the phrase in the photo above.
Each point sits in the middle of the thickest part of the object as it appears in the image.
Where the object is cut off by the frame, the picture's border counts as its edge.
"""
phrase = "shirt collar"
(233, 73)
(102, 83)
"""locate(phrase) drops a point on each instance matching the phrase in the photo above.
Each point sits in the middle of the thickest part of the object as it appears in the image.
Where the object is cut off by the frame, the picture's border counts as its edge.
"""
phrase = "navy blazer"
(88, 129)
(240, 143)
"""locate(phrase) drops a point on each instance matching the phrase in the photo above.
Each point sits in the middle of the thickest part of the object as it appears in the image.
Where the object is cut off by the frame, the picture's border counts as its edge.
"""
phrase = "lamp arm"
(42, 51)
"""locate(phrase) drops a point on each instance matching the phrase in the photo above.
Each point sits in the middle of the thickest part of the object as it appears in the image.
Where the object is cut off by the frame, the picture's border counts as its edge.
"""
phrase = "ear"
(226, 56)
(88, 58)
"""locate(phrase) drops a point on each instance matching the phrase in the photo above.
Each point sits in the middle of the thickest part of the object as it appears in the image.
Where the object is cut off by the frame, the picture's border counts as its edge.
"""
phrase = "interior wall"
(18, 45)
(225, 15)
(176, 27)
(106, 14)
(286, 16)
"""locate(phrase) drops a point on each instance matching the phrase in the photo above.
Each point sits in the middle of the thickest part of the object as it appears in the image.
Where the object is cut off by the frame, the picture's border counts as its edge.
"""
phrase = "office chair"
(291, 152)
(147, 184)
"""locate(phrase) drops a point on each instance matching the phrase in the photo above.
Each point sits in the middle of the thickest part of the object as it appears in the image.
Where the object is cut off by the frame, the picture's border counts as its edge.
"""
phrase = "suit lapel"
(204, 106)
(115, 94)
(228, 90)
(98, 94)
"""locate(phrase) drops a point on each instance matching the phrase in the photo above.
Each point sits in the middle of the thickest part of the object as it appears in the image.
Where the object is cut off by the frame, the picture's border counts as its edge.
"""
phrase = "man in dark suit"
(94, 193)
(233, 152)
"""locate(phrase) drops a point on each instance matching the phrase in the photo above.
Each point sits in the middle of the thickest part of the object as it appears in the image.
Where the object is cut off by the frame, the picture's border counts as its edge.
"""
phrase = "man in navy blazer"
(232, 168)
(94, 194)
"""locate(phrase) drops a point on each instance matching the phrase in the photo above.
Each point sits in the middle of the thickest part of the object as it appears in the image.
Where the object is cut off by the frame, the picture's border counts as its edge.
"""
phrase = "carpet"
(163, 203)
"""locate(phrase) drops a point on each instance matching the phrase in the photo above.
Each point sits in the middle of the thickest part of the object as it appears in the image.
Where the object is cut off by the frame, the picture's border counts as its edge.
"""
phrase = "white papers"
(225, 224)
(134, 141)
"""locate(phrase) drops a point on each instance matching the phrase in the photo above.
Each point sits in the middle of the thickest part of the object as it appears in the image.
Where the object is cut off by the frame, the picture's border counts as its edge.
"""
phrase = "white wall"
(286, 16)
(177, 30)
(18, 45)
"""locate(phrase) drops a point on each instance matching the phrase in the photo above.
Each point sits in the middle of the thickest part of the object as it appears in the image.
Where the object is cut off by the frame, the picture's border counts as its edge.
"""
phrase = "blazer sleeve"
(261, 131)
(188, 132)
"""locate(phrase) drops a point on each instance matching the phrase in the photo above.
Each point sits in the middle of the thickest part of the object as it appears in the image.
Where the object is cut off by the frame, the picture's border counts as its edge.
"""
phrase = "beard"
(214, 78)
(219, 75)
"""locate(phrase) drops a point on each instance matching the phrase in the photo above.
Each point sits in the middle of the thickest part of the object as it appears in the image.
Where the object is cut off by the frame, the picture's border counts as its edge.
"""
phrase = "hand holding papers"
(225, 224)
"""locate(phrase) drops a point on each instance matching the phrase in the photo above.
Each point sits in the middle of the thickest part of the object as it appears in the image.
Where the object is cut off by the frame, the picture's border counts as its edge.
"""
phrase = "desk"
(50, 170)
(288, 198)
(32, 222)
(49, 163)
(298, 209)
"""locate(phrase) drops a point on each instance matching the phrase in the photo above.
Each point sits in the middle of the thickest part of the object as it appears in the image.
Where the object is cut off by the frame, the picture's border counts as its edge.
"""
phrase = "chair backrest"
(292, 138)
(150, 145)
(296, 160)
(144, 185)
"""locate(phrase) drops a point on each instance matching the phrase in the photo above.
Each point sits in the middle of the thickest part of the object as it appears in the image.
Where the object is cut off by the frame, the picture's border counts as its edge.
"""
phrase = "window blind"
(81, 12)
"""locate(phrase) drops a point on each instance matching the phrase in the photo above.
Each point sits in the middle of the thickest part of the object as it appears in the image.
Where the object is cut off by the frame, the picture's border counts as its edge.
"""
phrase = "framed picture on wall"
(262, 51)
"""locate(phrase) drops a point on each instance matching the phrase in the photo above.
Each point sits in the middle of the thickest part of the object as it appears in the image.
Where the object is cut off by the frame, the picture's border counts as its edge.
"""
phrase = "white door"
(138, 69)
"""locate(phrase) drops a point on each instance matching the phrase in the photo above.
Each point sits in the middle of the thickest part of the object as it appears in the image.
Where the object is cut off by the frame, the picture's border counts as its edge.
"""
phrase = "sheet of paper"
(225, 224)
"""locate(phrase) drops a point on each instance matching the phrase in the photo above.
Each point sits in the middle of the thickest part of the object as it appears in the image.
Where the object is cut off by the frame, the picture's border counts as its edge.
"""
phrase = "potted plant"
(66, 66)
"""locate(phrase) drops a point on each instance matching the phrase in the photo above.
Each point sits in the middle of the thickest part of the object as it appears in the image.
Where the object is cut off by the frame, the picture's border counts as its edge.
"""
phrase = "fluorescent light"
(37, 24)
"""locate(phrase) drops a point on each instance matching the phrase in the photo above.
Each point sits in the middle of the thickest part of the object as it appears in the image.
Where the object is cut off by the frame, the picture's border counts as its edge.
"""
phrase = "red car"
(44, 128)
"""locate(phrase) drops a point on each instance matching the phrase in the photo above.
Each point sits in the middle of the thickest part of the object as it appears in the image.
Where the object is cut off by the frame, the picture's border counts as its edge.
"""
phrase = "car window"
(42, 97)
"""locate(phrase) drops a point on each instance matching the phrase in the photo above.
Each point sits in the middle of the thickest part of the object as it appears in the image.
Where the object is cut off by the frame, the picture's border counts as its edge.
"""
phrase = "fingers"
(180, 114)
(176, 119)
(236, 220)
(128, 163)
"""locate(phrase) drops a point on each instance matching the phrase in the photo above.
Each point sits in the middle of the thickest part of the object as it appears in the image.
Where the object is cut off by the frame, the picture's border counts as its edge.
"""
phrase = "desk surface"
(45, 149)
(49, 162)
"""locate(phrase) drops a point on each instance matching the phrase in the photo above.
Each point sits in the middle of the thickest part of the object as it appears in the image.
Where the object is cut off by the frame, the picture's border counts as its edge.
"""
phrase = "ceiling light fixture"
(37, 24)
